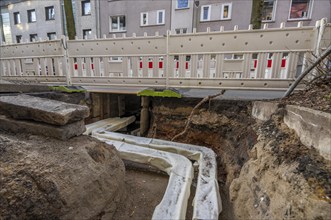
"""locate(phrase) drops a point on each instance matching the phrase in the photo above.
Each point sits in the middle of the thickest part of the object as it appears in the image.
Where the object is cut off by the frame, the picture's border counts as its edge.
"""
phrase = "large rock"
(40, 178)
(44, 110)
(63, 132)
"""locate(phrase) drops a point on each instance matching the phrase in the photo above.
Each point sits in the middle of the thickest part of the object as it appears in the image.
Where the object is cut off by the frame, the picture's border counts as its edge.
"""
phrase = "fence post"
(167, 60)
(66, 67)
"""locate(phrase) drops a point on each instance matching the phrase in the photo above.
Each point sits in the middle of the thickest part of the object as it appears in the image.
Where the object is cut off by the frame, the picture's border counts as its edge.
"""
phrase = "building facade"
(28, 20)
(139, 17)
(291, 11)
(86, 18)
(34, 20)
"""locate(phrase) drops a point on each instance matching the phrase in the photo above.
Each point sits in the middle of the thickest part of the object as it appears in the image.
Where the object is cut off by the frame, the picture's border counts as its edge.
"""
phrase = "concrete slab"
(44, 110)
(60, 132)
(313, 128)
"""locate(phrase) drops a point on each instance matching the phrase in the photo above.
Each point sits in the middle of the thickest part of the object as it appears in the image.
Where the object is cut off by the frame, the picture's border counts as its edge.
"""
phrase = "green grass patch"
(164, 93)
(67, 89)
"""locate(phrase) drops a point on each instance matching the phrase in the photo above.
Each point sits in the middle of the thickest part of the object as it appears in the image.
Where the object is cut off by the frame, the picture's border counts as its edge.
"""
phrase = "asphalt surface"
(198, 93)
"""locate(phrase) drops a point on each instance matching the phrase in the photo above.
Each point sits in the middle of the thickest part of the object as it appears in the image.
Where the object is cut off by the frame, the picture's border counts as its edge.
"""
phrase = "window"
(144, 19)
(18, 39)
(181, 31)
(86, 8)
(51, 36)
(32, 16)
(49, 13)
(160, 17)
(87, 33)
(300, 9)
(33, 37)
(17, 18)
(226, 11)
(268, 10)
(117, 23)
(205, 13)
(182, 4)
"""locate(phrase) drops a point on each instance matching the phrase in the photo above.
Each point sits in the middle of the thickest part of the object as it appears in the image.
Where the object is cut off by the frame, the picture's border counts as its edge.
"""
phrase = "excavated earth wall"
(264, 171)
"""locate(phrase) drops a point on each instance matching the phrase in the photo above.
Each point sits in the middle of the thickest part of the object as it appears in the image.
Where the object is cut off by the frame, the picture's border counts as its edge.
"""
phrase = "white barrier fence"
(266, 58)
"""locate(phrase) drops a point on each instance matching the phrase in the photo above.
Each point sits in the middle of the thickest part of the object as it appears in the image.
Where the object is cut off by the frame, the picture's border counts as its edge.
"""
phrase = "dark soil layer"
(316, 96)
(288, 149)
(226, 128)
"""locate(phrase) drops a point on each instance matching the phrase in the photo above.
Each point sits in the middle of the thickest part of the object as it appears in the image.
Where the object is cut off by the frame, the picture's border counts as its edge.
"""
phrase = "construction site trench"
(263, 169)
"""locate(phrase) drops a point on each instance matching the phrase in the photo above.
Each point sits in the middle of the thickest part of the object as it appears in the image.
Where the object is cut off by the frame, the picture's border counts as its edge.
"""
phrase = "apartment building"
(291, 11)
(127, 16)
(86, 18)
(215, 14)
(28, 20)
(34, 20)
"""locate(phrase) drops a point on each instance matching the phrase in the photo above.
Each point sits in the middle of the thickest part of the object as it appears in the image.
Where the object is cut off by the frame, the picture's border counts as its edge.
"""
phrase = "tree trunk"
(70, 19)
(256, 16)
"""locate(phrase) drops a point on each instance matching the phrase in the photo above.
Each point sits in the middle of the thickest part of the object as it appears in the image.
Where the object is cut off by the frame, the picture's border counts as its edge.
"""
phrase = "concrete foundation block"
(313, 128)
(43, 110)
(264, 110)
(60, 132)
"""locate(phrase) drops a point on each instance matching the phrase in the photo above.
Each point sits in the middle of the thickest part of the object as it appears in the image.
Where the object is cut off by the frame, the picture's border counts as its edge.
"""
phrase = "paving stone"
(44, 110)
(63, 132)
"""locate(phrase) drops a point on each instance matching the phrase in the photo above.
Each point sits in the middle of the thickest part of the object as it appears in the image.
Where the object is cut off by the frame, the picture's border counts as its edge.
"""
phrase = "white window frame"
(274, 8)
(30, 16)
(310, 9)
(230, 11)
(118, 24)
(163, 17)
(188, 5)
(17, 17)
(142, 20)
(209, 12)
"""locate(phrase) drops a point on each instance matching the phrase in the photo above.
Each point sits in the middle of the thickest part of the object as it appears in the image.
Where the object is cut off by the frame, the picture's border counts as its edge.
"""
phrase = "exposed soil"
(226, 128)
(316, 96)
(46, 178)
(144, 191)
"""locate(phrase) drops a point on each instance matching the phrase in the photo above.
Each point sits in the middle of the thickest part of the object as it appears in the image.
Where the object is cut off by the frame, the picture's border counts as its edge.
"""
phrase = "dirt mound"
(316, 96)
(283, 179)
(46, 178)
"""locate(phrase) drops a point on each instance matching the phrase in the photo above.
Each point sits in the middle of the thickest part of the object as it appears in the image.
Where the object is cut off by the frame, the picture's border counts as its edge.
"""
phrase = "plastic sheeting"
(179, 168)
(207, 202)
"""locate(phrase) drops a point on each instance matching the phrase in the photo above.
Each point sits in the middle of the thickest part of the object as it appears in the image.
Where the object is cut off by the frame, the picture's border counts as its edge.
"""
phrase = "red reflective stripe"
(140, 64)
(186, 65)
(92, 66)
(177, 65)
(283, 65)
(150, 65)
(255, 64)
(160, 64)
(76, 66)
(269, 63)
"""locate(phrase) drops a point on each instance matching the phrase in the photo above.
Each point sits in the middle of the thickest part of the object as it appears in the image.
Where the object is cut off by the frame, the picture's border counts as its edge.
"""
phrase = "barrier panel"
(248, 59)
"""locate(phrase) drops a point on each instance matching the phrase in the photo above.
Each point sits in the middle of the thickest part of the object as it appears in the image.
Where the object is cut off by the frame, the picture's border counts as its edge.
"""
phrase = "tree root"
(189, 119)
